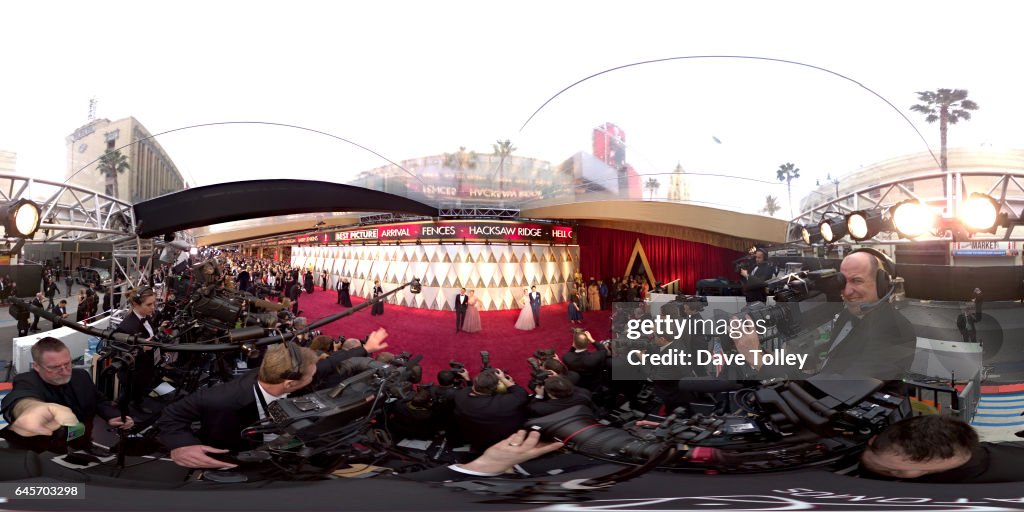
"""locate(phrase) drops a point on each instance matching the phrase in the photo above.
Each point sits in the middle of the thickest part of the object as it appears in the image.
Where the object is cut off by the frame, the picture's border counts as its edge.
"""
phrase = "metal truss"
(380, 218)
(1006, 188)
(74, 214)
(479, 212)
(71, 213)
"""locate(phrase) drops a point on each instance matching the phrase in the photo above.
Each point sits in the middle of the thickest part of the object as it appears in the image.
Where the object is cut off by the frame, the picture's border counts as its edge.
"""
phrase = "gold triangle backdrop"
(500, 274)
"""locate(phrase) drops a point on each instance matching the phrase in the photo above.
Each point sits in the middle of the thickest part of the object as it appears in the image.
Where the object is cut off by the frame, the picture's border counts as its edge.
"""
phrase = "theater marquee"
(443, 231)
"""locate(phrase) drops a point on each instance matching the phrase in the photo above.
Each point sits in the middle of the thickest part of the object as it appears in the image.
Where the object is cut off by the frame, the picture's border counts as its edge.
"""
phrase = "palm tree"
(788, 172)
(947, 106)
(111, 164)
(460, 161)
(652, 185)
(771, 205)
(502, 149)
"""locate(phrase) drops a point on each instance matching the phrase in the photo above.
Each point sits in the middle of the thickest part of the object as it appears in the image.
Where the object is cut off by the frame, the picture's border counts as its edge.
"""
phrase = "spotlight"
(810, 234)
(832, 230)
(21, 218)
(980, 213)
(912, 219)
(864, 224)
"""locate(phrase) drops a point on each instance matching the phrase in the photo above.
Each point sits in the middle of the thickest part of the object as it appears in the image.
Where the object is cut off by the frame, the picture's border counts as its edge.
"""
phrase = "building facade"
(151, 172)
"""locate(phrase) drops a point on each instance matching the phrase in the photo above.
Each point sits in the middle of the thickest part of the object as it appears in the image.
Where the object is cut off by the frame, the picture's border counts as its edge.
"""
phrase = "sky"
(411, 79)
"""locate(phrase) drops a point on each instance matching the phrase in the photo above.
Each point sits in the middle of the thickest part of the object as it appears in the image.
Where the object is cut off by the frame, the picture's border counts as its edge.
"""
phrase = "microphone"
(867, 308)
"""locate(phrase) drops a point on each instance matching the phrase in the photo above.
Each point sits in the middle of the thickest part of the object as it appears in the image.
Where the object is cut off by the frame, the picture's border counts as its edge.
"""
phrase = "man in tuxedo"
(60, 309)
(37, 301)
(461, 304)
(51, 291)
(535, 304)
(225, 409)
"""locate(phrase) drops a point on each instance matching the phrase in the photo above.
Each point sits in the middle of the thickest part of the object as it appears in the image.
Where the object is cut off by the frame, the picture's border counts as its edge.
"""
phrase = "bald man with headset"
(869, 337)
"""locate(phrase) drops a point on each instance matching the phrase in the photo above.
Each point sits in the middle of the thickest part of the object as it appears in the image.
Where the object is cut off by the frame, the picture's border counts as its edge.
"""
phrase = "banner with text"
(443, 231)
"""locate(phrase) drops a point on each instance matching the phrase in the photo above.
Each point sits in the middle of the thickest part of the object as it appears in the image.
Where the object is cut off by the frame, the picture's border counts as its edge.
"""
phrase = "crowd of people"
(487, 409)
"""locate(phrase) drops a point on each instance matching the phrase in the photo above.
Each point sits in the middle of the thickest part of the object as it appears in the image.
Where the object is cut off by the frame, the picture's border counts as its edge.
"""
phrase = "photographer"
(490, 410)
(591, 366)
(52, 395)
(556, 394)
(755, 277)
(415, 417)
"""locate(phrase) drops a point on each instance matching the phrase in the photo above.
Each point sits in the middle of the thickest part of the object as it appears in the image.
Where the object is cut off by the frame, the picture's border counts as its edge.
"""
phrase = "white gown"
(525, 321)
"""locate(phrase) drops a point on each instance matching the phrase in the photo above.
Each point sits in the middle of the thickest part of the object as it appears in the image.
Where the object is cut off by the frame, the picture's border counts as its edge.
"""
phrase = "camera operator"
(556, 394)
(940, 449)
(869, 337)
(138, 323)
(225, 409)
(52, 395)
(485, 413)
(449, 382)
(755, 278)
(591, 366)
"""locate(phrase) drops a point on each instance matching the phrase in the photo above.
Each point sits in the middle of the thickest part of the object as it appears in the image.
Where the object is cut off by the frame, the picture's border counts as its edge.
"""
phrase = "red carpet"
(432, 333)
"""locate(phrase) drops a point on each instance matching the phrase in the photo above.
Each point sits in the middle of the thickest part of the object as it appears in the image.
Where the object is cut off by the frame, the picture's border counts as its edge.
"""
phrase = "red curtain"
(604, 253)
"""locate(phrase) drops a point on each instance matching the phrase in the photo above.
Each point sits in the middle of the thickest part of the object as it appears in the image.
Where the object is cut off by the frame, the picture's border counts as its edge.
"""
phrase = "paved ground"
(8, 327)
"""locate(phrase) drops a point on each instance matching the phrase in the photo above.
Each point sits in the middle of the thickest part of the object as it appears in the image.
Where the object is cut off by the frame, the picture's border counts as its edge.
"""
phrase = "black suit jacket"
(590, 365)
(225, 409)
(881, 345)
(461, 302)
(753, 285)
(485, 420)
(222, 411)
(80, 395)
(542, 407)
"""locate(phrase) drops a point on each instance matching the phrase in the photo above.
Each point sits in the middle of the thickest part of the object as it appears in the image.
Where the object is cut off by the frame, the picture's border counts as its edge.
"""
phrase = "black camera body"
(783, 425)
(744, 263)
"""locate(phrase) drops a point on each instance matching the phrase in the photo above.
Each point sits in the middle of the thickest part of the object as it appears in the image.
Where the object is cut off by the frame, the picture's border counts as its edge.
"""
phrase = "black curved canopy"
(226, 202)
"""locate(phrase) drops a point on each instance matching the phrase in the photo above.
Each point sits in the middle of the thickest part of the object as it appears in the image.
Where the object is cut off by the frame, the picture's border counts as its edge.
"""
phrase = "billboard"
(442, 231)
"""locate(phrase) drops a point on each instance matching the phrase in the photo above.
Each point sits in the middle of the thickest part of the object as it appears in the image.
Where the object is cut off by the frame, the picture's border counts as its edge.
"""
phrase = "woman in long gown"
(472, 321)
(343, 297)
(594, 295)
(378, 308)
(525, 321)
(575, 315)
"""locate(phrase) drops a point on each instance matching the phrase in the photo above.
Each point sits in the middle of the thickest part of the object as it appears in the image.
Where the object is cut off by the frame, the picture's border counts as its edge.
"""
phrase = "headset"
(295, 373)
(141, 294)
(883, 278)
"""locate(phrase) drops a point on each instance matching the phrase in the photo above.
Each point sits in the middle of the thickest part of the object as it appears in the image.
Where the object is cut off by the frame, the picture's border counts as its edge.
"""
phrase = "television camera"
(319, 431)
(780, 425)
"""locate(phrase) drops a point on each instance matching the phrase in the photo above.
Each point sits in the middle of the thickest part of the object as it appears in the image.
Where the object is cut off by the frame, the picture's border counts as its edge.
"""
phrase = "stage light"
(980, 213)
(832, 230)
(913, 219)
(864, 224)
(810, 234)
(21, 218)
